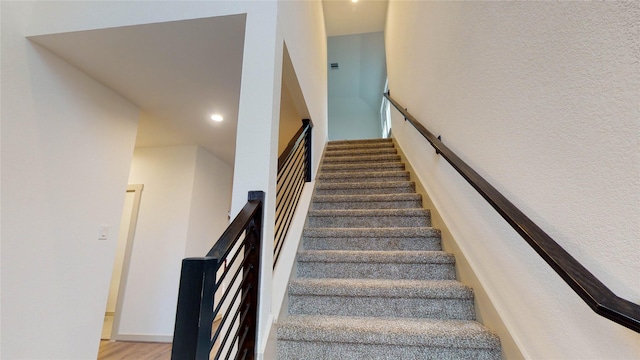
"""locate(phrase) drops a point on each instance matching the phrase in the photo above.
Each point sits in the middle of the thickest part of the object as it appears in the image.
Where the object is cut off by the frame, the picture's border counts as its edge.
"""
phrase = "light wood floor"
(121, 350)
(124, 350)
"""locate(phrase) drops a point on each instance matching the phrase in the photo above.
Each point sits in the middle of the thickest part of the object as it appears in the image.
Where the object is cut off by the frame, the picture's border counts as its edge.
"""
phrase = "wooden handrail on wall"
(600, 298)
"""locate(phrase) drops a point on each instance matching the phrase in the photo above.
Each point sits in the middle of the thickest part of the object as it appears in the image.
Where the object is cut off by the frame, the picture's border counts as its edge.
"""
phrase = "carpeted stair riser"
(391, 239)
(376, 265)
(364, 176)
(394, 201)
(322, 337)
(365, 188)
(382, 298)
(360, 152)
(372, 281)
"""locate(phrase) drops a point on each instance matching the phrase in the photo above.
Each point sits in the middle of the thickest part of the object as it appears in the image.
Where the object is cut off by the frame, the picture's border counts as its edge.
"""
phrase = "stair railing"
(294, 170)
(600, 298)
(217, 308)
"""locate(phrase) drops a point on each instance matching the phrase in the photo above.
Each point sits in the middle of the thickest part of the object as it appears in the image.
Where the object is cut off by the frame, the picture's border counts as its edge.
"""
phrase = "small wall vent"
(334, 66)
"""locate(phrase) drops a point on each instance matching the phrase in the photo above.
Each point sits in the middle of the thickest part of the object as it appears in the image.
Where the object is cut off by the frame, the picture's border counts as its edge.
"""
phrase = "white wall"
(210, 203)
(352, 118)
(355, 88)
(290, 119)
(149, 303)
(64, 137)
(302, 26)
(183, 211)
(542, 100)
(67, 143)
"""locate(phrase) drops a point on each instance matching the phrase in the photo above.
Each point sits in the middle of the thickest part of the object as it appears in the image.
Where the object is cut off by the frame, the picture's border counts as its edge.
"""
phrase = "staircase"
(372, 281)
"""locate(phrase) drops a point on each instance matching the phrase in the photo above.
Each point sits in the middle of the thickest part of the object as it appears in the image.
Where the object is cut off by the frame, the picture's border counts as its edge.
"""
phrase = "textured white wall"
(67, 143)
(542, 100)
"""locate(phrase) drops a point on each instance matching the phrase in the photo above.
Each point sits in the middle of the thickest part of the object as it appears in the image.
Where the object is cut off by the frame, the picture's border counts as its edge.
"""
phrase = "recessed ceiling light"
(354, 1)
(216, 117)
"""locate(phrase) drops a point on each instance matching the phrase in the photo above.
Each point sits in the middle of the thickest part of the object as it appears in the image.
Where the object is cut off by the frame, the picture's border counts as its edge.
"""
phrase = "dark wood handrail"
(294, 169)
(307, 124)
(200, 280)
(601, 300)
(227, 240)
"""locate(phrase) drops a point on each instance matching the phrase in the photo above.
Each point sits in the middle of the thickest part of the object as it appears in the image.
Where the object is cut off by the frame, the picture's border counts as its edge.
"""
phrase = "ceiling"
(344, 17)
(178, 73)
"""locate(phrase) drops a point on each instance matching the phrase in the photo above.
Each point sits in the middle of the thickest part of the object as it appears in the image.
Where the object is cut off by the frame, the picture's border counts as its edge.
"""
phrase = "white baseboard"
(142, 338)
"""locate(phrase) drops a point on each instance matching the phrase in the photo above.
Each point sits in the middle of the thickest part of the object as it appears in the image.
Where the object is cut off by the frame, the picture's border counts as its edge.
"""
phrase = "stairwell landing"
(372, 279)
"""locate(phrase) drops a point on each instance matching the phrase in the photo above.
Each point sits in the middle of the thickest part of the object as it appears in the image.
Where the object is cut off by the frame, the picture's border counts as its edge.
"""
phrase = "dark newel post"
(185, 334)
(252, 286)
(206, 308)
(307, 156)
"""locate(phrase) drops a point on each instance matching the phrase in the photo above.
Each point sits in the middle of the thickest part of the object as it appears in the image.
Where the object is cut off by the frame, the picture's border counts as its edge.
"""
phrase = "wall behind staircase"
(183, 211)
(542, 100)
(355, 88)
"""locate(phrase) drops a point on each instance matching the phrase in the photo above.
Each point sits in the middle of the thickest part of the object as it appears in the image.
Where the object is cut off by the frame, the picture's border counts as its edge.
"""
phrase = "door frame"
(124, 275)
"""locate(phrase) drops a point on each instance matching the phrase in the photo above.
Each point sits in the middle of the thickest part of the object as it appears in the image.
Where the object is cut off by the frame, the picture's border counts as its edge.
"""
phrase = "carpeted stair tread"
(398, 288)
(371, 280)
(325, 185)
(373, 145)
(361, 141)
(361, 159)
(385, 166)
(414, 238)
(369, 218)
(363, 176)
(370, 212)
(381, 232)
(360, 152)
(434, 299)
(368, 264)
(401, 257)
(391, 331)
(364, 187)
(375, 201)
(366, 198)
